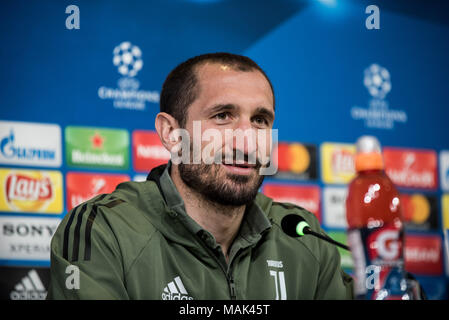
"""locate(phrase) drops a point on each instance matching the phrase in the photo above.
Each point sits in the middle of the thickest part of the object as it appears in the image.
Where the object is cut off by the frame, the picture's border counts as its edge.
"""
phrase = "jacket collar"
(254, 224)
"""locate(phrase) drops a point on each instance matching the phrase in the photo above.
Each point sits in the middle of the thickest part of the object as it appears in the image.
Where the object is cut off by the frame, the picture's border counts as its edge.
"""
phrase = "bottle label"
(378, 262)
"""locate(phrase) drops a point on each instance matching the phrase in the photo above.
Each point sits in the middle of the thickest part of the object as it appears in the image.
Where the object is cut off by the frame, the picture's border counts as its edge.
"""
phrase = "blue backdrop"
(315, 52)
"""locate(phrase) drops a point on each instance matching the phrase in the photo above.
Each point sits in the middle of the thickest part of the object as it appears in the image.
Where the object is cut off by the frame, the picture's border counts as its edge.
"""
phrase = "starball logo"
(377, 81)
(128, 58)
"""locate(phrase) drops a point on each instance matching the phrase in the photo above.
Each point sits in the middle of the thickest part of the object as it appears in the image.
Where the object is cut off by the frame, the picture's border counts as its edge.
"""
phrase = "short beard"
(203, 179)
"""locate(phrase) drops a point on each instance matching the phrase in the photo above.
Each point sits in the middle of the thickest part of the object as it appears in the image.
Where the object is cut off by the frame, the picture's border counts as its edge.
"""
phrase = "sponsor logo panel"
(20, 283)
(419, 211)
(30, 144)
(445, 210)
(411, 168)
(346, 258)
(423, 254)
(444, 170)
(296, 161)
(140, 178)
(31, 191)
(305, 196)
(445, 219)
(148, 150)
(337, 162)
(446, 249)
(334, 202)
(25, 238)
(97, 148)
(84, 186)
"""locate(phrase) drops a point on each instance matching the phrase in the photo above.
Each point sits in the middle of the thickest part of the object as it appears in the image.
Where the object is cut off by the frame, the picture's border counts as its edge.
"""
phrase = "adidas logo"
(29, 288)
(175, 290)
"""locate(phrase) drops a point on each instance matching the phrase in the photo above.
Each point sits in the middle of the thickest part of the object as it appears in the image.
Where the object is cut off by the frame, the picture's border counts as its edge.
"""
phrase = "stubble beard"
(225, 189)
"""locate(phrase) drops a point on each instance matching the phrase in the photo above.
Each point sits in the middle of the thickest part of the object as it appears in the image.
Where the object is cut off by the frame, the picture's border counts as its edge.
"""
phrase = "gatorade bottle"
(375, 227)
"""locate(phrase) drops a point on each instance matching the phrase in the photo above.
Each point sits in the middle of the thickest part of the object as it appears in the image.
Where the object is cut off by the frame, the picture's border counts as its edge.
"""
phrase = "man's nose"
(245, 137)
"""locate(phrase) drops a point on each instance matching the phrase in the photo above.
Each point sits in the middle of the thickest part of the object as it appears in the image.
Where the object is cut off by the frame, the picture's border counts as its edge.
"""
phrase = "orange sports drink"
(375, 228)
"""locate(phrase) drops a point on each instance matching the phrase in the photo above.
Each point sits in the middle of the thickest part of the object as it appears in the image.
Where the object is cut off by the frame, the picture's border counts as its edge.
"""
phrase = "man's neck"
(223, 222)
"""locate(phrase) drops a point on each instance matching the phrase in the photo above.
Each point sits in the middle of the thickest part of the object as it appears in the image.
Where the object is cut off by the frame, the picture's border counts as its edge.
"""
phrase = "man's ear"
(165, 126)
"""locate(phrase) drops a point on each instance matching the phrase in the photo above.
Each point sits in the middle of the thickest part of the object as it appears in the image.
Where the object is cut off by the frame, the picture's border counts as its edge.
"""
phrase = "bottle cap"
(369, 154)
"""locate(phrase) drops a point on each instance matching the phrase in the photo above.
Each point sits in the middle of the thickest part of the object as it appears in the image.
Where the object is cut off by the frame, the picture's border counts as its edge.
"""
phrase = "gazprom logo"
(9, 150)
(31, 144)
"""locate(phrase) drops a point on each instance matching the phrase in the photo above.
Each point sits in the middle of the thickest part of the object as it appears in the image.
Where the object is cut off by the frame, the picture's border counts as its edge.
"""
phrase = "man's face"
(237, 102)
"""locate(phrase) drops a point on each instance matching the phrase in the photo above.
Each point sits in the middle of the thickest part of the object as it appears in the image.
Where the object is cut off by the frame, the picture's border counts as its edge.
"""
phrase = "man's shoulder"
(130, 203)
(118, 225)
(123, 215)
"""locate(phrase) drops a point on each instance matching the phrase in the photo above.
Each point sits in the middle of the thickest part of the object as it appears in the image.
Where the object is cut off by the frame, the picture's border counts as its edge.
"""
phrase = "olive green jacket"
(139, 243)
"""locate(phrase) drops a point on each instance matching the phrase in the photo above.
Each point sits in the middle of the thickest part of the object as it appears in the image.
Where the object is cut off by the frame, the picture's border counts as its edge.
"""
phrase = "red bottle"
(375, 228)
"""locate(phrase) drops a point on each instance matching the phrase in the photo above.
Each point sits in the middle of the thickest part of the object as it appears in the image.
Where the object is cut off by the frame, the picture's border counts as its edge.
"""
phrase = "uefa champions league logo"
(128, 59)
(377, 81)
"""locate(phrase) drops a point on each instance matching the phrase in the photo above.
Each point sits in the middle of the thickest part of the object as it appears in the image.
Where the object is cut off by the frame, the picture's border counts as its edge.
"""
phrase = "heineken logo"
(97, 147)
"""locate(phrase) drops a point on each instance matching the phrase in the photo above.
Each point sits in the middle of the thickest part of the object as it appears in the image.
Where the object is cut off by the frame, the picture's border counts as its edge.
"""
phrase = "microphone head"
(292, 225)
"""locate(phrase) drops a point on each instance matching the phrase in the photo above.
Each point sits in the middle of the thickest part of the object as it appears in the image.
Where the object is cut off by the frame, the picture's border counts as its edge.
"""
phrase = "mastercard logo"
(416, 208)
(293, 157)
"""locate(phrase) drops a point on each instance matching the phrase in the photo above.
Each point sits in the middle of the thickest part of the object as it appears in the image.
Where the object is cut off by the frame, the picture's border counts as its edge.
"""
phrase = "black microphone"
(296, 226)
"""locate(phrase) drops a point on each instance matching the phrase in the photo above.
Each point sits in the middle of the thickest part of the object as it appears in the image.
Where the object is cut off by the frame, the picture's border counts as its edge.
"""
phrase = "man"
(197, 230)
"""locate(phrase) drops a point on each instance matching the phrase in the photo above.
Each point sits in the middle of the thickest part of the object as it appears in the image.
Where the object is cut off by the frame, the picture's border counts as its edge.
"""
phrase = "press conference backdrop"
(78, 104)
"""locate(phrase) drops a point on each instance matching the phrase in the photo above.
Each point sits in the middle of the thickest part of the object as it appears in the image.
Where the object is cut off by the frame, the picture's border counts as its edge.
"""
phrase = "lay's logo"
(22, 187)
(337, 162)
(31, 191)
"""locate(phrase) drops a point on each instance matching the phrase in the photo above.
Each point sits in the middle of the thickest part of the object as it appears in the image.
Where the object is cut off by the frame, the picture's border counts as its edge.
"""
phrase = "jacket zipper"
(232, 287)
(228, 274)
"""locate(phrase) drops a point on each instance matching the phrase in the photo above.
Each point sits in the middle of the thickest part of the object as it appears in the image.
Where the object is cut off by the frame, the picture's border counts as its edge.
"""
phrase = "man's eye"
(260, 121)
(222, 116)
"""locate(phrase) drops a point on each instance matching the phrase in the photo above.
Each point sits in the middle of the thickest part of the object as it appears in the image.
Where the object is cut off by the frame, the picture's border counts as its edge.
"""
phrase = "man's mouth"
(240, 168)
